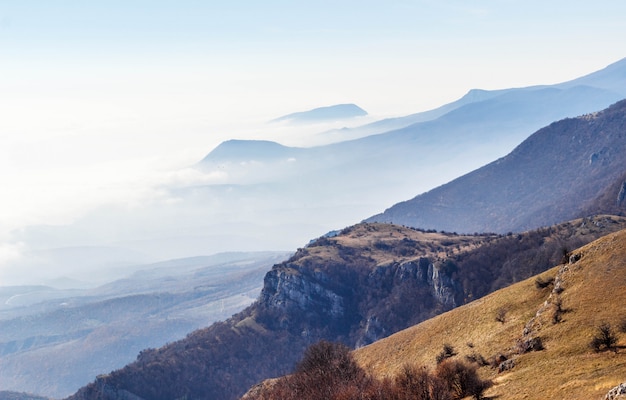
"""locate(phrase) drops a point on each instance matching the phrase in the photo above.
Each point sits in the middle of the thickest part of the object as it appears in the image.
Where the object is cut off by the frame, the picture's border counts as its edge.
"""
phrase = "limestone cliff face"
(299, 297)
(288, 290)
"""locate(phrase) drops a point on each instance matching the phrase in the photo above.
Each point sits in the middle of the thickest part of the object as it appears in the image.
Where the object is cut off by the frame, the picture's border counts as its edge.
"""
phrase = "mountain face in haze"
(356, 287)
(568, 169)
(611, 79)
(259, 195)
(336, 184)
(324, 114)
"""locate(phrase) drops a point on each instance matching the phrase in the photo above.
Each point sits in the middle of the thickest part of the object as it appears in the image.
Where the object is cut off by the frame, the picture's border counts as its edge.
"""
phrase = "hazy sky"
(101, 100)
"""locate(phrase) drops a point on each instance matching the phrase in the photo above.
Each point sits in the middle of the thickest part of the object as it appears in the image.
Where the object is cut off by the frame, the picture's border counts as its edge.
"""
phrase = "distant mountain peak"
(324, 114)
(242, 150)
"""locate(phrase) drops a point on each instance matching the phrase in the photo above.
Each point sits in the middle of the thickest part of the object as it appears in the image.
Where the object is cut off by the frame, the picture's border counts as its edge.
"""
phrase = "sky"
(103, 101)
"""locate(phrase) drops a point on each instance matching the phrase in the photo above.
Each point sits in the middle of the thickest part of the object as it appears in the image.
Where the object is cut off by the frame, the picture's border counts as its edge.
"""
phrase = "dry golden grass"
(368, 237)
(594, 291)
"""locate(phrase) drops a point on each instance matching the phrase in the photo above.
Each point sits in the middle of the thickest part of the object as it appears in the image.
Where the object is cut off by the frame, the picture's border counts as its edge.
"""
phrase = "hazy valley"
(454, 251)
(54, 341)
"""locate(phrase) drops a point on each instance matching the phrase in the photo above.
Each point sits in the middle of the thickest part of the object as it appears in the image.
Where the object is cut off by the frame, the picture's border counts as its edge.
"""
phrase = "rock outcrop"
(617, 393)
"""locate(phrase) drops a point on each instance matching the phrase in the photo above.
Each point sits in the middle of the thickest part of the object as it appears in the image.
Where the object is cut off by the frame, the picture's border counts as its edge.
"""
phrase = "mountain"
(323, 114)
(586, 292)
(334, 182)
(248, 151)
(55, 341)
(357, 286)
(258, 195)
(395, 123)
(568, 169)
(612, 79)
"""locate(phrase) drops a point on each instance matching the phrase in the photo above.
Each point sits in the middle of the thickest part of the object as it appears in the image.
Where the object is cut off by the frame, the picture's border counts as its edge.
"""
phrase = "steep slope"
(588, 290)
(356, 287)
(561, 172)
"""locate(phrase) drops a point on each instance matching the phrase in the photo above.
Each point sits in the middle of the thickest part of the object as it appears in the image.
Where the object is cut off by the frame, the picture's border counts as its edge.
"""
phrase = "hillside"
(358, 286)
(569, 169)
(589, 291)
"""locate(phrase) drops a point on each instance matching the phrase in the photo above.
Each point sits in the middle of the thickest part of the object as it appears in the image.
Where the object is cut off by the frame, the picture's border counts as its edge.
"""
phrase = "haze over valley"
(198, 197)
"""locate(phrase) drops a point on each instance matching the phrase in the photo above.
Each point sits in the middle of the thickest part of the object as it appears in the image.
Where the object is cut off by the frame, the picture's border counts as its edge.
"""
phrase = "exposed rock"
(372, 331)
(617, 393)
(297, 290)
(574, 258)
(621, 195)
(527, 345)
(506, 365)
(364, 284)
(443, 285)
(285, 289)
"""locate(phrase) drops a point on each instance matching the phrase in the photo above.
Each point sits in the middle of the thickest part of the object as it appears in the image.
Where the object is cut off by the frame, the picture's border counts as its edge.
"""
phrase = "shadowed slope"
(563, 171)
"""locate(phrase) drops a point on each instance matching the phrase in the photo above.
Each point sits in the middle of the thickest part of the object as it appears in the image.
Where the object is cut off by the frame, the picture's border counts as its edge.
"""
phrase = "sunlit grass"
(594, 291)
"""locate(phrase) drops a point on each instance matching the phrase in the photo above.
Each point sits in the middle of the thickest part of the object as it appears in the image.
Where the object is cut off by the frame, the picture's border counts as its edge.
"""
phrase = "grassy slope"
(567, 368)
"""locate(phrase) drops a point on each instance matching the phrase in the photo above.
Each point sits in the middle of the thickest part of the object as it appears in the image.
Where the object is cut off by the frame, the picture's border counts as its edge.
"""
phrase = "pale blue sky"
(391, 57)
(101, 94)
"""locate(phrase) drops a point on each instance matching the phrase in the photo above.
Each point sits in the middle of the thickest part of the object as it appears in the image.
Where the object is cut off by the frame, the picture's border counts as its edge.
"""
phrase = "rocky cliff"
(364, 284)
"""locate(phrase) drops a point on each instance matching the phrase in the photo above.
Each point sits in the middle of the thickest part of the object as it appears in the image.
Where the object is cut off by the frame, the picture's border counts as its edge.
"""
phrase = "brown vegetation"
(328, 371)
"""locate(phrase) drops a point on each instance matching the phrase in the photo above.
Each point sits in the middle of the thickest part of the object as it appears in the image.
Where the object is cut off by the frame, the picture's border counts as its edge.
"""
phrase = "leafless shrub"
(447, 352)
(604, 338)
(541, 283)
(462, 379)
